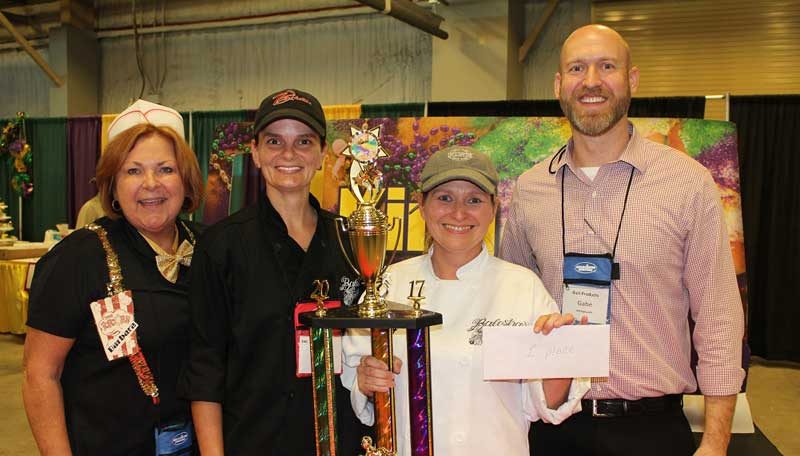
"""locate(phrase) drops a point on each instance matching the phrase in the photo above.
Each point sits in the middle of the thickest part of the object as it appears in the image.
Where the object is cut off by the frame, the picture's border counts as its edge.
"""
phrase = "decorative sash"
(115, 291)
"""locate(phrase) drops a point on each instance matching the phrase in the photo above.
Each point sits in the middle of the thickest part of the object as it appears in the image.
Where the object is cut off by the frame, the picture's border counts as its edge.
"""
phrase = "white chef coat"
(470, 416)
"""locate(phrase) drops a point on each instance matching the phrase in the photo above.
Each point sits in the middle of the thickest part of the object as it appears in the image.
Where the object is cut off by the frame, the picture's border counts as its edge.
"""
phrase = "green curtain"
(392, 110)
(203, 125)
(48, 203)
(239, 183)
(7, 194)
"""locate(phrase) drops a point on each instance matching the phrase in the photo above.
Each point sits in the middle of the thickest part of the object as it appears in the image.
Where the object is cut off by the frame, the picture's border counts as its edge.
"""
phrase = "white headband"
(143, 112)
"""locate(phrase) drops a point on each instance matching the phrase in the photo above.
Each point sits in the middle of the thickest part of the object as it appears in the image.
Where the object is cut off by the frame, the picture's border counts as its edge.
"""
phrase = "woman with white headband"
(108, 319)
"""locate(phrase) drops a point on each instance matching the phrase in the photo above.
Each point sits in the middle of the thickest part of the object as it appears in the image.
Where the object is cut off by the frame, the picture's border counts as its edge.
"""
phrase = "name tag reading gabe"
(585, 300)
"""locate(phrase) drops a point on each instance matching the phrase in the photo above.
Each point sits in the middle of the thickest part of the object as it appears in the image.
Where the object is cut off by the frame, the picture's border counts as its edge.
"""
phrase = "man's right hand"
(374, 376)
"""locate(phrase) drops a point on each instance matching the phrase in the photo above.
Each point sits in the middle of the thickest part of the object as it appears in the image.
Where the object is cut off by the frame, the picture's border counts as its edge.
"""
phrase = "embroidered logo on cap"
(459, 155)
(585, 268)
(287, 96)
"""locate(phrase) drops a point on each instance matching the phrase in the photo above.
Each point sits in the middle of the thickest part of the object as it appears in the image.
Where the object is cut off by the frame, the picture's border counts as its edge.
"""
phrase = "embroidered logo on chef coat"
(350, 290)
(475, 329)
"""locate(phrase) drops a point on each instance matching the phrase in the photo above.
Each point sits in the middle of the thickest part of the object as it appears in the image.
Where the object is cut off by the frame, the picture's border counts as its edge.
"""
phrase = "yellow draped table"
(13, 296)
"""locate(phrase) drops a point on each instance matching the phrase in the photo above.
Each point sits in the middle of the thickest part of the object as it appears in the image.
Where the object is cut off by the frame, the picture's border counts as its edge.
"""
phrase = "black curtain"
(510, 108)
(372, 111)
(769, 138)
(675, 107)
(678, 107)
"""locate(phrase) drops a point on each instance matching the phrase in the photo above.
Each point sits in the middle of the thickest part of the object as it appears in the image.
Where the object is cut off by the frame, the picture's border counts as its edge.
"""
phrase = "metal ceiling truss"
(410, 13)
(35, 17)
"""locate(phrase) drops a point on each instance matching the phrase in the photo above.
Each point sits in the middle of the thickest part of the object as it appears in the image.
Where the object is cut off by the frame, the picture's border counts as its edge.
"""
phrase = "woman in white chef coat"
(472, 290)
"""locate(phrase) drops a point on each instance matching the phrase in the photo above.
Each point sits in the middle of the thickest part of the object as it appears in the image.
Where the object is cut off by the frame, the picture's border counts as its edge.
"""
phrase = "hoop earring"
(116, 206)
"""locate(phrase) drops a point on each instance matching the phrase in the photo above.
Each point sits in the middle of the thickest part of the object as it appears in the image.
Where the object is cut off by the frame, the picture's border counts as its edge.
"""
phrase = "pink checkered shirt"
(674, 259)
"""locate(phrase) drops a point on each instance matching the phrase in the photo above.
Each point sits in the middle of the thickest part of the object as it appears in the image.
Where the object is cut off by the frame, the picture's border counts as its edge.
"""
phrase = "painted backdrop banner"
(514, 144)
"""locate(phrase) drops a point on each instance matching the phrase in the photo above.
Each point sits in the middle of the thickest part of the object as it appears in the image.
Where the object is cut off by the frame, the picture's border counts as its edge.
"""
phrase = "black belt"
(612, 408)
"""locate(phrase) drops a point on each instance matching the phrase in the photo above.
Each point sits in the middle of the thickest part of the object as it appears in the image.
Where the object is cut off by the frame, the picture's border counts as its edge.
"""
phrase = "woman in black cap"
(249, 272)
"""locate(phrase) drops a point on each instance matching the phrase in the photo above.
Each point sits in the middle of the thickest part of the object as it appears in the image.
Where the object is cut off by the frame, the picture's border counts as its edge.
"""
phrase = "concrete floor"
(15, 435)
(773, 392)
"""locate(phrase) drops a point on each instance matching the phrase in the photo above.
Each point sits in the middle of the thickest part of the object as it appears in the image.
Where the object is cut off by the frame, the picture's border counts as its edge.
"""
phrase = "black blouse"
(247, 275)
(106, 410)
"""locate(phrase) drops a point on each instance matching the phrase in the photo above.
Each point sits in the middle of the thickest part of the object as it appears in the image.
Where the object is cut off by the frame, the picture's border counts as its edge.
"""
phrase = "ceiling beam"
(537, 29)
(78, 13)
(39, 23)
(411, 14)
(31, 51)
(19, 19)
(18, 3)
(31, 26)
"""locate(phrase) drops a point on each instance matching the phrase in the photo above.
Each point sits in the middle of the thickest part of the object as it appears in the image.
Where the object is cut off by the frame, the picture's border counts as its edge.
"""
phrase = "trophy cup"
(367, 231)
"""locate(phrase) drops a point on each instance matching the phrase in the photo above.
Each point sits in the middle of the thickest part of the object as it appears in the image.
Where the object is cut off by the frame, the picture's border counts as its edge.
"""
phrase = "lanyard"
(619, 226)
(114, 287)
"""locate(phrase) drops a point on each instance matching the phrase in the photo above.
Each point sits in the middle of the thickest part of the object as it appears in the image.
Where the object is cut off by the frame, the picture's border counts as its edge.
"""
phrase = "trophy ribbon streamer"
(384, 402)
(322, 378)
(419, 391)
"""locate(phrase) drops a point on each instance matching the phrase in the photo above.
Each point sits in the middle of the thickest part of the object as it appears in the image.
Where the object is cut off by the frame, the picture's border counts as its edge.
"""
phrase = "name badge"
(303, 339)
(113, 317)
(580, 300)
(587, 287)
(175, 439)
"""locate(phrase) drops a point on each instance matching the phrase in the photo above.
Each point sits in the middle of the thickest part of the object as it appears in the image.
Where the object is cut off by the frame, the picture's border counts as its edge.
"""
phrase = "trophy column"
(419, 391)
(366, 230)
(384, 402)
(416, 323)
(322, 378)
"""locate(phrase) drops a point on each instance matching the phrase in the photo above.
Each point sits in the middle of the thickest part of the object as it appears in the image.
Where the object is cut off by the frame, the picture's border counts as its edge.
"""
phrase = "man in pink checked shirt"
(653, 216)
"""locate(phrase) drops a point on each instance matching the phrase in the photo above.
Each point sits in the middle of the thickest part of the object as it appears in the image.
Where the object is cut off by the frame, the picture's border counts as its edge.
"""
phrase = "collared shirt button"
(459, 437)
(464, 361)
(594, 194)
(589, 232)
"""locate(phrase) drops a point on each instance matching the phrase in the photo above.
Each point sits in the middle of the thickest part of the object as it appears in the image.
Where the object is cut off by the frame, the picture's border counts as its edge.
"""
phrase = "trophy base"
(397, 316)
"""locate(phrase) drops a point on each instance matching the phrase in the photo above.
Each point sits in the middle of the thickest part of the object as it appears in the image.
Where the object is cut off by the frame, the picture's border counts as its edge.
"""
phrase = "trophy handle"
(380, 195)
(341, 227)
(399, 222)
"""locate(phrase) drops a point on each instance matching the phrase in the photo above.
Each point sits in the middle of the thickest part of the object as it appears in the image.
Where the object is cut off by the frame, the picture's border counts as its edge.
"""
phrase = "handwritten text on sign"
(569, 351)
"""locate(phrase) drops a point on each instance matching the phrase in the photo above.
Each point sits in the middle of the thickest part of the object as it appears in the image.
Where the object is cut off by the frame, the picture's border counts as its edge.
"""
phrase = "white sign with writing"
(570, 351)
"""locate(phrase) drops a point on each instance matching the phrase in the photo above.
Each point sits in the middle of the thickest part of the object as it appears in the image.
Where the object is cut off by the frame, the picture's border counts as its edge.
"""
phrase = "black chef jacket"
(106, 411)
(247, 275)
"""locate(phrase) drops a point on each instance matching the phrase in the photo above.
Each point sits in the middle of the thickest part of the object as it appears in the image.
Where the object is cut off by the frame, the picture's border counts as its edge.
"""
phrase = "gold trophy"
(367, 231)
(367, 226)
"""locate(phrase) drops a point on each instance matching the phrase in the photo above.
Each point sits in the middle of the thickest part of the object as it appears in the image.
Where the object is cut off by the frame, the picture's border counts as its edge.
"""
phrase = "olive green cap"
(459, 163)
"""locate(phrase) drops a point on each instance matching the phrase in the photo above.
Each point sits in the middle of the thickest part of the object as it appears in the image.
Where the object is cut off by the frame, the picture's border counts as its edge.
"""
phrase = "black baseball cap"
(291, 104)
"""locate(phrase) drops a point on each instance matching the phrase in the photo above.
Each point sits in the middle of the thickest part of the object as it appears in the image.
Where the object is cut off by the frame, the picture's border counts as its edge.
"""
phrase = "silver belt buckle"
(596, 413)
